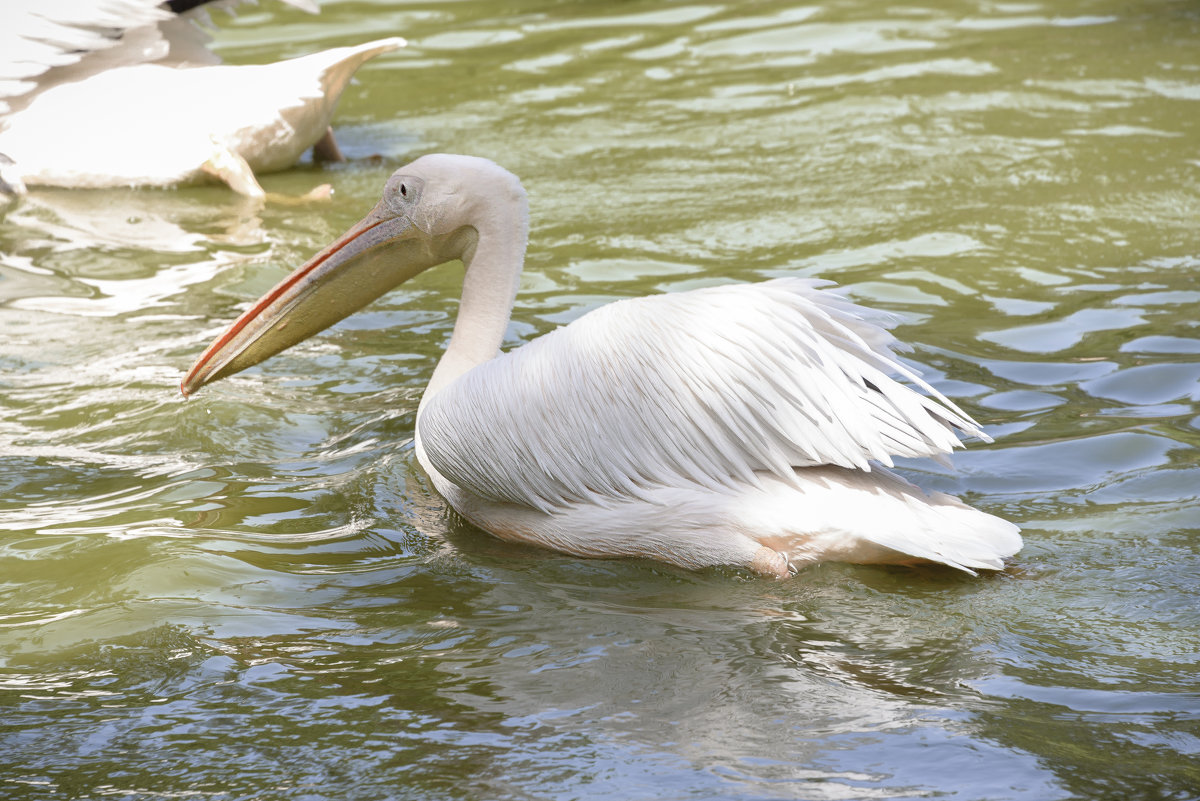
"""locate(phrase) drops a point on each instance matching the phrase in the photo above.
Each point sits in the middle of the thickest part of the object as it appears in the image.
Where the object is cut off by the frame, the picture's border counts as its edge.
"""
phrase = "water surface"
(256, 594)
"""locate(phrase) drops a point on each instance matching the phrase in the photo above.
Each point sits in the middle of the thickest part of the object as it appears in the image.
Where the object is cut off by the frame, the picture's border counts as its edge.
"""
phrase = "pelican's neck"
(493, 262)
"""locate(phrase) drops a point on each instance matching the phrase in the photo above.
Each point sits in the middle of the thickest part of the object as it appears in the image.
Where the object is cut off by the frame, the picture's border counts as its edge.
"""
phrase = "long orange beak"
(378, 253)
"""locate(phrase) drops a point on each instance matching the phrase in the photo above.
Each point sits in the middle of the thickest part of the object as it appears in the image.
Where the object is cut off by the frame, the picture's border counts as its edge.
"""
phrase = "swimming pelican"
(124, 93)
(732, 425)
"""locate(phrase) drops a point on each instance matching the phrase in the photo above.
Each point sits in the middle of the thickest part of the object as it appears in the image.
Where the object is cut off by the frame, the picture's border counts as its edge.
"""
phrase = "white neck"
(493, 272)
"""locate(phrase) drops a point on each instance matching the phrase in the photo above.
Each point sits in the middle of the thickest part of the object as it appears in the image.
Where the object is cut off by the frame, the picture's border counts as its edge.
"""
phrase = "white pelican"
(111, 93)
(733, 425)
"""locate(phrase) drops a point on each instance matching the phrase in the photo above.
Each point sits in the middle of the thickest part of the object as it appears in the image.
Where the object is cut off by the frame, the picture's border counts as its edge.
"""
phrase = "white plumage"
(712, 388)
(124, 93)
(745, 424)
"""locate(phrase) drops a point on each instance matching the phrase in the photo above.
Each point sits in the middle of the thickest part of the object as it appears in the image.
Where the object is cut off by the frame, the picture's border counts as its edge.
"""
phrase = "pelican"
(124, 93)
(748, 425)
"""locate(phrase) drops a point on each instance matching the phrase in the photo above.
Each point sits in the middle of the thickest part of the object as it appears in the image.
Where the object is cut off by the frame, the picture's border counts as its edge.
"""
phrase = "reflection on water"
(255, 594)
(84, 253)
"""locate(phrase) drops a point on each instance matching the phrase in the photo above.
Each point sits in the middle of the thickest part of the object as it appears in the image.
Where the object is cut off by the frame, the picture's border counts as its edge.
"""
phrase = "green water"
(254, 594)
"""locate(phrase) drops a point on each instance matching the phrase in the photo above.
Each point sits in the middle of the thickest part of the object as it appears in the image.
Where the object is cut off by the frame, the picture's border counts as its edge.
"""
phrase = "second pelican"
(735, 425)
(124, 94)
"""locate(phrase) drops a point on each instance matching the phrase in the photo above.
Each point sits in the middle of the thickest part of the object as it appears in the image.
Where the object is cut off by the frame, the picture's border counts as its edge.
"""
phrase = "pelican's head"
(431, 212)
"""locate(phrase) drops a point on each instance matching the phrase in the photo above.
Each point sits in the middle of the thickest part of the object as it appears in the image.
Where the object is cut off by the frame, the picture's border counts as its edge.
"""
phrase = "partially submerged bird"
(733, 425)
(124, 93)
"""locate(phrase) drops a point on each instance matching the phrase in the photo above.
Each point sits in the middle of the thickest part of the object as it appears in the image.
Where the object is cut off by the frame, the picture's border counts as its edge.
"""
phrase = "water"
(256, 594)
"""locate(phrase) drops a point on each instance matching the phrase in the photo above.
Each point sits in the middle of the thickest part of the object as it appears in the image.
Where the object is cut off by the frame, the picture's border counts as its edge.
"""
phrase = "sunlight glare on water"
(256, 594)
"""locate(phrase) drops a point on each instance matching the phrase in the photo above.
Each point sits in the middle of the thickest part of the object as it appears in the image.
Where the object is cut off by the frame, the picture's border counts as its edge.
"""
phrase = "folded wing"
(708, 387)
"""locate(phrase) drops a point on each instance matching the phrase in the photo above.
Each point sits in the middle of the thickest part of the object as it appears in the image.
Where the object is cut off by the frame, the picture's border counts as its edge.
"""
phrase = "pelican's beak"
(379, 252)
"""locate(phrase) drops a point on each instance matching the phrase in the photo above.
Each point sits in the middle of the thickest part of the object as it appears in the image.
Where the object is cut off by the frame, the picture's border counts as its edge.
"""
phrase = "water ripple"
(255, 593)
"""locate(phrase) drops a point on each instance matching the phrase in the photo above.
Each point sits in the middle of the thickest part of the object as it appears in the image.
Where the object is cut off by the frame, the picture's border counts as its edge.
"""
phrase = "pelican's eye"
(403, 191)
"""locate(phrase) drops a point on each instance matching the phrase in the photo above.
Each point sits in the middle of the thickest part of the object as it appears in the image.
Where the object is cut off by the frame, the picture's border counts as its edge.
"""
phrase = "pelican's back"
(707, 388)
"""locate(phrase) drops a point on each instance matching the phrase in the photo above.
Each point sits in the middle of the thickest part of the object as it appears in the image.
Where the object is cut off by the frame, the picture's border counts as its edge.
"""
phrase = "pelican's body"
(741, 425)
(124, 94)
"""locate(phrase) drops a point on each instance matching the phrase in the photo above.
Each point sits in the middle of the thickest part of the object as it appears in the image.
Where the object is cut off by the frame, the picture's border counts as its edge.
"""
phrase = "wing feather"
(85, 37)
(706, 388)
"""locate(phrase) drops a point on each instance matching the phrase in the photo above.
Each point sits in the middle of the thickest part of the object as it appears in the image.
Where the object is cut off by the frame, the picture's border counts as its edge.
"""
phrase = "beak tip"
(189, 385)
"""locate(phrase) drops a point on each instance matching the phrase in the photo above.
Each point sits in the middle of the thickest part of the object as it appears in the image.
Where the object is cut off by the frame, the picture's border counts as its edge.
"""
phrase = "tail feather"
(342, 62)
(951, 533)
(879, 518)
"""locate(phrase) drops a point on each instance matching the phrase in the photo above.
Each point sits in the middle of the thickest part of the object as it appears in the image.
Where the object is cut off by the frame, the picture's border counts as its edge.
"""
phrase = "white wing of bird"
(713, 387)
(124, 93)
